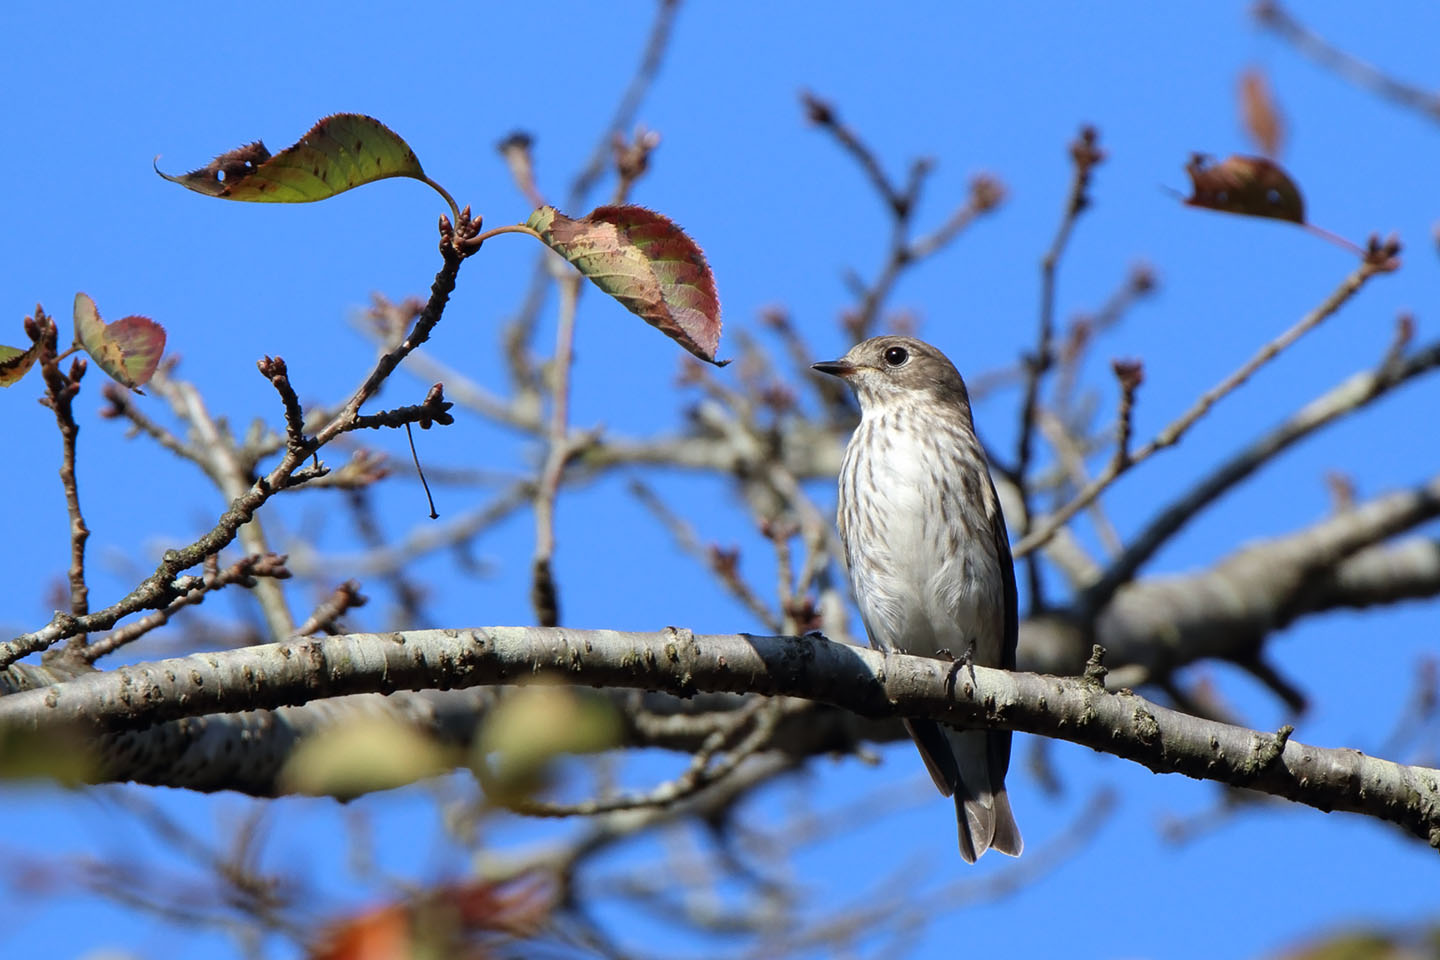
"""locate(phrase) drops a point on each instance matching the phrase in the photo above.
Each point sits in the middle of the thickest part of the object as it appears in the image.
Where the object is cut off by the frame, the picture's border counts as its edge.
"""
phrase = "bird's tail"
(967, 764)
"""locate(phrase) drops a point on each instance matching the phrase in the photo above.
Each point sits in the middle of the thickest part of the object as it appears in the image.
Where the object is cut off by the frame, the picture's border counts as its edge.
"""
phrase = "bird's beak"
(836, 368)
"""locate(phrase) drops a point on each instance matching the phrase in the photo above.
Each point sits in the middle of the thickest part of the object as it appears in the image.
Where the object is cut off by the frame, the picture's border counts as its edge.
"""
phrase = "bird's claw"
(967, 659)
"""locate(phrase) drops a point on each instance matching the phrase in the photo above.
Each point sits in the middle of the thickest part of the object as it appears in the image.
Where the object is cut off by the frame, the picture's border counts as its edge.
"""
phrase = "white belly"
(921, 588)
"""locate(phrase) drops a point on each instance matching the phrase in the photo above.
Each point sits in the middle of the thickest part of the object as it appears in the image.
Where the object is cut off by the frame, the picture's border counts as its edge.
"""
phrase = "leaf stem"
(454, 207)
(478, 239)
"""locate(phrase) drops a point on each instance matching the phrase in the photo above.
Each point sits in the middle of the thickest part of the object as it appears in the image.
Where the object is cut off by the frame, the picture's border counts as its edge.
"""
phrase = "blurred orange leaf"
(454, 920)
(1259, 112)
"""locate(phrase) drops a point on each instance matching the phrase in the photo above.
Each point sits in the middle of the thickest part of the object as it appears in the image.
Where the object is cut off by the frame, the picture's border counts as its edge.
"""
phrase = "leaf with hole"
(645, 261)
(1253, 186)
(128, 350)
(340, 152)
(14, 362)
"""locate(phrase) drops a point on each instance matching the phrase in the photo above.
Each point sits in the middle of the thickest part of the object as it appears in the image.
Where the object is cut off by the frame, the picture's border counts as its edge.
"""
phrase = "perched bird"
(929, 556)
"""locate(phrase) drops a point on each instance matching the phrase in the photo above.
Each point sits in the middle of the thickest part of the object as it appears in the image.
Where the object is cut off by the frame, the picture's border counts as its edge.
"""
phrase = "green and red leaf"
(340, 152)
(128, 350)
(1252, 186)
(14, 362)
(645, 261)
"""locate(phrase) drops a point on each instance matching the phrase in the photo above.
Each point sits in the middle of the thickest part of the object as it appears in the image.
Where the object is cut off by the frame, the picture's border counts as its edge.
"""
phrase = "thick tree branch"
(675, 661)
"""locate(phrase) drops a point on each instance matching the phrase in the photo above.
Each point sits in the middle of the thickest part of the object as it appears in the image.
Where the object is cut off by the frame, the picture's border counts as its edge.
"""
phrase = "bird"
(929, 557)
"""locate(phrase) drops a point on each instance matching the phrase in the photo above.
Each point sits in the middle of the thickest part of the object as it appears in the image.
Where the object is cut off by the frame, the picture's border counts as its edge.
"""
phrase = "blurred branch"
(701, 773)
(1279, 21)
(986, 194)
(651, 59)
(544, 594)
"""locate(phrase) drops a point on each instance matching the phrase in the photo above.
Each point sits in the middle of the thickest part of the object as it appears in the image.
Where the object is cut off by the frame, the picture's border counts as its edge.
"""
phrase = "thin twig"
(196, 589)
(986, 194)
(121, 405)
(1130, 374)
(1353, 394)
(162, 586)
(623, 118)
(435, 409)
(723, 563)
(231, 472)
(344, 598)
(274, 370)
(1071, 460)
(1382, 263)
(60, 391)
(1085, 155)
(822, 114)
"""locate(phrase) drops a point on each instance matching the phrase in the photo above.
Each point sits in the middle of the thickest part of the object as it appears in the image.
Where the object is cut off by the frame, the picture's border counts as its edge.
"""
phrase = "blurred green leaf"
(530, 726)
(60, 755)
(363, 756)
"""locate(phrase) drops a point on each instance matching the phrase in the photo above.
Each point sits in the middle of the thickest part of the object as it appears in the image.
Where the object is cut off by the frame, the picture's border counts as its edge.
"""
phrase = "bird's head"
(885, 370)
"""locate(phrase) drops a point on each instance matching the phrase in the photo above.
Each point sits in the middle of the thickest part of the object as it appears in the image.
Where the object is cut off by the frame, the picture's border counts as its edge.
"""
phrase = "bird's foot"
(967, 659)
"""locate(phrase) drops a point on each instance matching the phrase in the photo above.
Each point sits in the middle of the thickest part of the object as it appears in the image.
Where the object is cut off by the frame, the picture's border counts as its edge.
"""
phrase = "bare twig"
(243, 572)
(1085, 155)
(162, 586)
(986, 193)
(823, 115)
(435, 409)
(232, 473)
(1354, 394)
(1130, 374)
(274, 370)
(122, 405)
(723, 563)
(344, 598)
(651, 59)
(60, 391)
(1382, 262)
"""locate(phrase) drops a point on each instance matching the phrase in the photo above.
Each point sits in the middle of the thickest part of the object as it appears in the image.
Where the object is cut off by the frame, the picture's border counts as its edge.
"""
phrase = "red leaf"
(645, 261)
(128, 350)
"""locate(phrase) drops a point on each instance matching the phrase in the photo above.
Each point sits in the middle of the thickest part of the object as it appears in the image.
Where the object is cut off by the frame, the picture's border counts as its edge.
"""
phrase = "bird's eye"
(896, 356)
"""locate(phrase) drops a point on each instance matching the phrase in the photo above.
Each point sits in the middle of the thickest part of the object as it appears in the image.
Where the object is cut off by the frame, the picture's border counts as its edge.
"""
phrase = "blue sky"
(97, 90)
